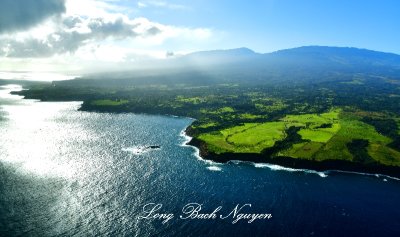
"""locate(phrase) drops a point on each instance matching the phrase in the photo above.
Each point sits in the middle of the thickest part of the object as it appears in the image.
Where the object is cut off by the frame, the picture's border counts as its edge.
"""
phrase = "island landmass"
(347, 119)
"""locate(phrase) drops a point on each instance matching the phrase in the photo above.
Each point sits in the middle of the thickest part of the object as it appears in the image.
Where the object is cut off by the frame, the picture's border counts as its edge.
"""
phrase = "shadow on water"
(26, 203)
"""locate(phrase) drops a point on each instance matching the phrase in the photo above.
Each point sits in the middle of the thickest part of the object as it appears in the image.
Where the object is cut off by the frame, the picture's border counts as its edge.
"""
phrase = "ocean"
(65, 172)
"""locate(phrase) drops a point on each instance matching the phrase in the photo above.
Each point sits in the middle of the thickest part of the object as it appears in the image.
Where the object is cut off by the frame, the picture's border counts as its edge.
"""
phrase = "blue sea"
(65, 172)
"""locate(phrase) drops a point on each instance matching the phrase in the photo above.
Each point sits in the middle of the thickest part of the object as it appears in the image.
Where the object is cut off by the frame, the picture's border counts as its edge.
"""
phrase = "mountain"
(311, 107)
(309, 64)
(215, 57)
(238, 52)
(342, 55)
(311, 60)
(336, 57)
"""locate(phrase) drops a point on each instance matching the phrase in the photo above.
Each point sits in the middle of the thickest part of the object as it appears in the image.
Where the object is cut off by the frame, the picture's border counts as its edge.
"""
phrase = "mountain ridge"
(242, 65)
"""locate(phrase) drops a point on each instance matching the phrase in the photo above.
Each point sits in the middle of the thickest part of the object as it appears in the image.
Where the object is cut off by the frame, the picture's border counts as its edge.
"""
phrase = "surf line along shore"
(193, 211)
(318, 166)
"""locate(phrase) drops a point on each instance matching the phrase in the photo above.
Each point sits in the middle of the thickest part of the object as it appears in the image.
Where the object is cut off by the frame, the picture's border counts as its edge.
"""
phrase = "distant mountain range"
(307, 56)
(242, 65)
(341, 55)
(238, 52)
(339, 107)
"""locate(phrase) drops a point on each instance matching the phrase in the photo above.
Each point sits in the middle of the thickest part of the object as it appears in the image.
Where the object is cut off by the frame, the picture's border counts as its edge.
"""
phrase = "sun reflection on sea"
(33, 138)
(35, 76)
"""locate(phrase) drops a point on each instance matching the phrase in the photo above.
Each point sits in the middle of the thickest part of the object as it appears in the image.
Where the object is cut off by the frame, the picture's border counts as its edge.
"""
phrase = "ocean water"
(69, 173)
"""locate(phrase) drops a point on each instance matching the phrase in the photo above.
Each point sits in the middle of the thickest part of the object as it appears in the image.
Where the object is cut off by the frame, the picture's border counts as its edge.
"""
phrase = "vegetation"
(310, 108)
(247, 138)
(284, 122)
(109, 102)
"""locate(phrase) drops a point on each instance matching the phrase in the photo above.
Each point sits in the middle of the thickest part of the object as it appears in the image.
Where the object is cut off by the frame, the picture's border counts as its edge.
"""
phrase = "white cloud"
(161, 4)
(72, 33)
(92, 8)
(22, 14)
(92, 31)
(141, 5)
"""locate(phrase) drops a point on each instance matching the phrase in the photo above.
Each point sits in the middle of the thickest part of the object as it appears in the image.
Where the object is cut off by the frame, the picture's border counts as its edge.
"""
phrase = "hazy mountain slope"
(310, 64)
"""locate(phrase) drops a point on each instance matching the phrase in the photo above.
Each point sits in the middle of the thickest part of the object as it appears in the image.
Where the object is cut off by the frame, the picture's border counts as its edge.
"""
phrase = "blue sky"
(76, 35)
(267, 25)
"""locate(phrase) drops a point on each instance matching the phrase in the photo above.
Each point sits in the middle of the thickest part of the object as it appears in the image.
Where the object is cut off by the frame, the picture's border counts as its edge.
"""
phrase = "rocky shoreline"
(320, 166)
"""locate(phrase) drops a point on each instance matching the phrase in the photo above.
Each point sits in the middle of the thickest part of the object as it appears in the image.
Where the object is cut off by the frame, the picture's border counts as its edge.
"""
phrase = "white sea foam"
(138, 150)
(324, 174)
(186, 138)
(237, 162)
(185, 142)
(214, 168)
(278, 167)
(366, 174)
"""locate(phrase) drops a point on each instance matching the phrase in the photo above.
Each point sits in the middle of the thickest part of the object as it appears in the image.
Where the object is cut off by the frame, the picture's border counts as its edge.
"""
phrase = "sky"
(76, 36)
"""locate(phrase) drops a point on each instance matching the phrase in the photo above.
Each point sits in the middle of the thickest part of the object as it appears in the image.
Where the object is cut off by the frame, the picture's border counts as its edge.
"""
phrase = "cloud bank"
(22, 14)
(74, 32)
(161, 4)
(83, 34)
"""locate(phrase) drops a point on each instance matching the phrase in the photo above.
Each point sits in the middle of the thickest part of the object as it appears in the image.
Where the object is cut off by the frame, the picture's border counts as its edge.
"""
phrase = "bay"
(65, 172)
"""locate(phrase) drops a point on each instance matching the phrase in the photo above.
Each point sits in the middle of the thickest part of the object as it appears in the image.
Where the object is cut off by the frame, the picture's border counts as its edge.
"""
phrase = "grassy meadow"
(326, 136)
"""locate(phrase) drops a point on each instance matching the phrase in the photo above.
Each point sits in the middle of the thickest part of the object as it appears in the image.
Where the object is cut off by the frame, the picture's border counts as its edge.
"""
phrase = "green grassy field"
(190, 100)
(231, 119)
(207, 125)
(249, 116)
(255, 137)
(217, 141)
(311, 125)
(258, 137)
(398, 125)
(324, 137)
(331, 143)
(353, 129)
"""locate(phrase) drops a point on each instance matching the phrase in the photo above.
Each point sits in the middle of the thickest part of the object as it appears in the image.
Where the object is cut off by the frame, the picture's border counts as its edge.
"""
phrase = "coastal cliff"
(364, 129)
(289, 162)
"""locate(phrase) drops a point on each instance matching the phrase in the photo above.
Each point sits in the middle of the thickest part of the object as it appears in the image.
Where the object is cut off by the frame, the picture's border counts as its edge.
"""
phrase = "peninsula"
(320, 108)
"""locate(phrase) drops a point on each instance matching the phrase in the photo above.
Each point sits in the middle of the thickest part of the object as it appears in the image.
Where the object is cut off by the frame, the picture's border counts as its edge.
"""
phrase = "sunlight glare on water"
(35, 76)
(71, 173)
(33, 138)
